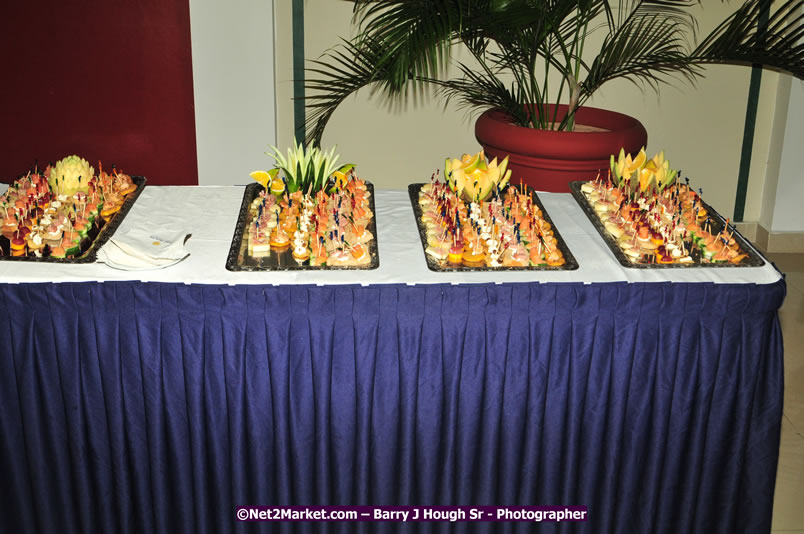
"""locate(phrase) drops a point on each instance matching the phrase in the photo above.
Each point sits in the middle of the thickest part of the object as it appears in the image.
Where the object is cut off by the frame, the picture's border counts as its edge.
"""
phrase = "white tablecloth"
(210, 215)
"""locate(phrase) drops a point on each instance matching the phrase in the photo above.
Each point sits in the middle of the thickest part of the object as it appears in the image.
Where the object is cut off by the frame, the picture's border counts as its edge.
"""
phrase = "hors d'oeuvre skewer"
(316, 210)
(653, 218)
(59, 212)
(473, 220)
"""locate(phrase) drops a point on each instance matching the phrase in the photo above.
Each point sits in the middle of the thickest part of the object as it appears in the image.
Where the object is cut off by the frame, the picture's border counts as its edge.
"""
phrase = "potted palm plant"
(533, 67)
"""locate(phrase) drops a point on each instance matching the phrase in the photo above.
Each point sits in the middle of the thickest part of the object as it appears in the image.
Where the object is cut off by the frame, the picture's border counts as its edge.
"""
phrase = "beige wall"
(788, 215)
(699, 127)
(283, 64)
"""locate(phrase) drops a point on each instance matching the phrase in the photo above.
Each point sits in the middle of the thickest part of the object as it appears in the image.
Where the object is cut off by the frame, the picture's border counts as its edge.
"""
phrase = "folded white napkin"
(138, 248)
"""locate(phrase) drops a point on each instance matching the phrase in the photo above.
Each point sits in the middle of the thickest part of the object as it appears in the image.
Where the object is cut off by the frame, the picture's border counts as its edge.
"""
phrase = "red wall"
(104, 79)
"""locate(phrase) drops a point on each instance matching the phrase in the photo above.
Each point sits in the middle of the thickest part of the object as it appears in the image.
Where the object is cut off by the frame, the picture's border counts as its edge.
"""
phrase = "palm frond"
(341, 72)
(483, 90)
(404, 44)
(417, 35)
(626, 9)
(742, 39)
(404, 41)
(647, 48)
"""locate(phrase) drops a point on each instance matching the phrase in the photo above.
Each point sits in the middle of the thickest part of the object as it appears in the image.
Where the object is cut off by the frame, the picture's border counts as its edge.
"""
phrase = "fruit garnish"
(664, 175)
(473, 178)
(649, 173)
(624, 167)
(70, 175)
(473, 162)
(646, 176)
(639, 161)
(264, 177)
(657, 172)
(305, 168)
(340, 179)
(277, 187)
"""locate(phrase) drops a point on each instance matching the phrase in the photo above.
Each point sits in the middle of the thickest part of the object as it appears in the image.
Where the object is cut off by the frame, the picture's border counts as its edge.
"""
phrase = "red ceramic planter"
(548, 160)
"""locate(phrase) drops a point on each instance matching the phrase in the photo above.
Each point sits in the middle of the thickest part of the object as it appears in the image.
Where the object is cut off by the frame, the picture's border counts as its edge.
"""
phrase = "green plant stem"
(568, 58)
(575, 94)
(578, 49)
(558, 100)
(534, 97)
(543, 121)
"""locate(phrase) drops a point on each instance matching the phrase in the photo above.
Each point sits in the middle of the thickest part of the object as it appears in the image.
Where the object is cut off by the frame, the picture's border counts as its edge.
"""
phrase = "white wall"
(233, 83)
(788, 212)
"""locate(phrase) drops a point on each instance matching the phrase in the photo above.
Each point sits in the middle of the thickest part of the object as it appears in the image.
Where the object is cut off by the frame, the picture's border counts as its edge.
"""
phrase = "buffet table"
(157, 401)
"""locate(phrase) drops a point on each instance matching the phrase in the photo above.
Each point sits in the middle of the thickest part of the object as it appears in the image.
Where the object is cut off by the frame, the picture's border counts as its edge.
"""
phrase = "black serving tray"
(89, 255)
(239, 260)
(718, 222)
(570, 264)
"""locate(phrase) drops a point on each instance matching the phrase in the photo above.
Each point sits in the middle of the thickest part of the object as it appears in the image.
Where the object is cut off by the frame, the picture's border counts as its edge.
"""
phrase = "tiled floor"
(788, 509)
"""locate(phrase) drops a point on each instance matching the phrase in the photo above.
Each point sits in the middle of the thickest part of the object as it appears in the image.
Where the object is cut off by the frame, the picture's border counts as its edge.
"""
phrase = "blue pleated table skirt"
(132, 407)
